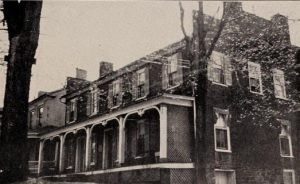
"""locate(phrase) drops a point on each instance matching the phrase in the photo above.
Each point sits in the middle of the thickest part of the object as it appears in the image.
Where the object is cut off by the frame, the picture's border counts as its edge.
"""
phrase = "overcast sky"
(83, 33)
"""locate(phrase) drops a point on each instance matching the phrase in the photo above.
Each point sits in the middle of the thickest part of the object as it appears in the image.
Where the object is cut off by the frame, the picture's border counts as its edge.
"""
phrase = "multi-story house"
(137, 124)
(47, 113)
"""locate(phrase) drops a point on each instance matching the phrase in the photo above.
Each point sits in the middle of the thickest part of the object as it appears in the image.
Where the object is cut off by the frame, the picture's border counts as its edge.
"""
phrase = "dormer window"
(116, 92)
(94, 101)
(279, 83)
(141, 79)
(285, 139)
(255, 81)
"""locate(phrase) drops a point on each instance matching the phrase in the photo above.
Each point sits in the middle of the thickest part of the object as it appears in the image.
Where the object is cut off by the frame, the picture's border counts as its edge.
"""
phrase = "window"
(222, 131)
(255, 77)
(289, 176)
(225, 177)
(31, 116)
(73, 109)
(218, 68)
(40, 115)
(141, 83)
(116, 91)
(285, 139)
(142, 138)
(172, 70)
(94, 102)
(279, 83)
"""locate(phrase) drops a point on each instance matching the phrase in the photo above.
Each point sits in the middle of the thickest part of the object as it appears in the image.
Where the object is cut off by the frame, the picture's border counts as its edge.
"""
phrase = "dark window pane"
(221, 139)
(285, 146)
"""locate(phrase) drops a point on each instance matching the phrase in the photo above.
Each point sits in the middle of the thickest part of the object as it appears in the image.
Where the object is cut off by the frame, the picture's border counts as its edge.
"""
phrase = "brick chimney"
(81, 74)
(280, 28)
(234, 6)
(105, 69)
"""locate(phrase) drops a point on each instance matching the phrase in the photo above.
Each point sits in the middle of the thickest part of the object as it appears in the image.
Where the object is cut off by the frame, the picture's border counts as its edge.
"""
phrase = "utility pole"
(23, 22)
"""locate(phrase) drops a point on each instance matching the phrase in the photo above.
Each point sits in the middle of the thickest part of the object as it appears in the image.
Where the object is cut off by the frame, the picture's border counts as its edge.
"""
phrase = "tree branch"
(218, 34)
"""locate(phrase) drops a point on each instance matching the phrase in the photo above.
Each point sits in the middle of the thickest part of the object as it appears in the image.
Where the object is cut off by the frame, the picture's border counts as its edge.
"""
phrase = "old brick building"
(137, 124)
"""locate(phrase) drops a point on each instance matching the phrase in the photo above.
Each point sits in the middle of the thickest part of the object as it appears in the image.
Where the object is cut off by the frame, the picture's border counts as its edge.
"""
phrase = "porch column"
(40, 164)
(88, 148)
(121, 147)
(61, 153)
(163, 132)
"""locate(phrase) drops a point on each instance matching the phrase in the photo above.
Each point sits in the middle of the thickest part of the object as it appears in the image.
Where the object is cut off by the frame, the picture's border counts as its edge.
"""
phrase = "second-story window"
(285, 139)
(116, 92)
(172, 70)
(218, 68)
(31, 119)
(40, 115)
(222, 131)
(255, 77)
(94, 102)
(73, 110)
(279, 83)
(141, 83)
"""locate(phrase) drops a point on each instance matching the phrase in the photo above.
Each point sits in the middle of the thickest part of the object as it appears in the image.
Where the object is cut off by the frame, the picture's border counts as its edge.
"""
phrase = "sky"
(80, 34)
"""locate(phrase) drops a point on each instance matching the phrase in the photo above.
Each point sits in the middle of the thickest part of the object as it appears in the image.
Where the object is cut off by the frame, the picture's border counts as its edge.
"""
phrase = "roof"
(48, 94)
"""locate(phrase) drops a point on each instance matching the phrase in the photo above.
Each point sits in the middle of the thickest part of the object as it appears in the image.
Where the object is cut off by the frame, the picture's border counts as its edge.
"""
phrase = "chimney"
(281, 28)
(81, 74)
(233, 8)
(105, 69)
(40, 93)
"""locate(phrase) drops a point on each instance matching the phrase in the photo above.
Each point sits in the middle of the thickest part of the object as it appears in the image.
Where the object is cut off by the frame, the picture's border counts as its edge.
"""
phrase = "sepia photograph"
(149, 92)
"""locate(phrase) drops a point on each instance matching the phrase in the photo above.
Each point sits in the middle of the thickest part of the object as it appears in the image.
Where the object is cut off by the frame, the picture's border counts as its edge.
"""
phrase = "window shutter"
(179, 76)
(134, 85)
(110, 96)
(120, 95)
(227, 72)
(165, 75)
(89, 104)
(147, 81)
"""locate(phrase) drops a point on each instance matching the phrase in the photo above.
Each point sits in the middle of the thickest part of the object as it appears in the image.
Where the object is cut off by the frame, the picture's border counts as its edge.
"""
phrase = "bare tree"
(23, 20)
(198, 53)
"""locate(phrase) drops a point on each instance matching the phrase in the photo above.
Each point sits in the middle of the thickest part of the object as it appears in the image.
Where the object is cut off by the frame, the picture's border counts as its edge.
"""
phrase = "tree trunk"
(200, 98)
(23, 30)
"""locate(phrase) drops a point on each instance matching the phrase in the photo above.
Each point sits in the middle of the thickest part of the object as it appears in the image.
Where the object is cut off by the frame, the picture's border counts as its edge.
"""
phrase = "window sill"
(173, 87)
(281, 98)
(257, 93)
(141, 98)
(223, 151)
(114, 107)
(286, 156)
(93, 163)
(219, 84)
(70, 122)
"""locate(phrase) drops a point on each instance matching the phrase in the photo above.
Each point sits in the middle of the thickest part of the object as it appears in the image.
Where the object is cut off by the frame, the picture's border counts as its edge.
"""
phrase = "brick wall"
(180, 134)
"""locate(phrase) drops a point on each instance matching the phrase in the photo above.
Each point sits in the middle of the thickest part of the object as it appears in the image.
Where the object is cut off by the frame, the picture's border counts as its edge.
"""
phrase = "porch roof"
(170, 99)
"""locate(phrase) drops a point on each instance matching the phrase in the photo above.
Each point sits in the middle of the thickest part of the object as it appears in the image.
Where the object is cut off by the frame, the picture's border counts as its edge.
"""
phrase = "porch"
(135, 136)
